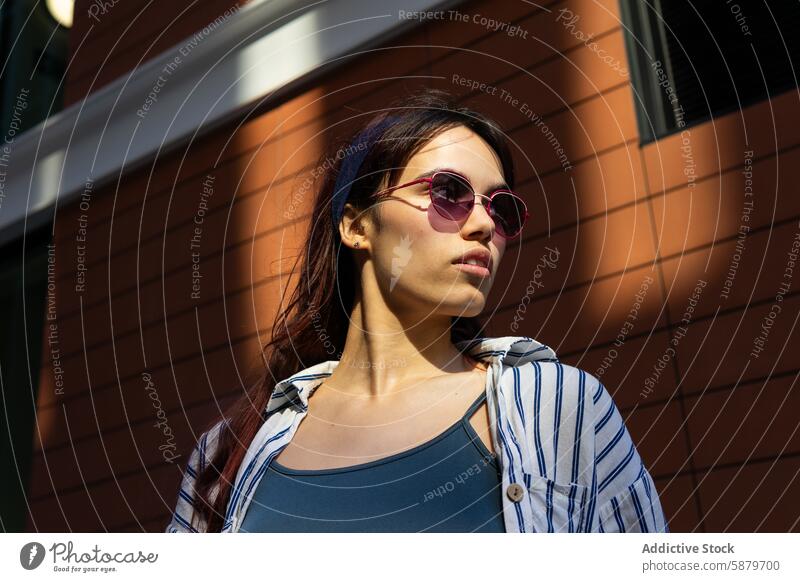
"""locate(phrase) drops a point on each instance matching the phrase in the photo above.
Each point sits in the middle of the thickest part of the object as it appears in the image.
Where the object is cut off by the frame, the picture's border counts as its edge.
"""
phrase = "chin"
(471, 308)
(471, 313)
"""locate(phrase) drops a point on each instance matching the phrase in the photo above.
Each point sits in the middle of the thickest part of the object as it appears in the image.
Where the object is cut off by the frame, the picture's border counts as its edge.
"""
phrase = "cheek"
(410, 228)
(414, 252)
(500, 243)
(419, 218)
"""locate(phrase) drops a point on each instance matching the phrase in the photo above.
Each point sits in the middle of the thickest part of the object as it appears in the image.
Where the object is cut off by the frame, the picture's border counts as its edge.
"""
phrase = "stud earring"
(356, 245)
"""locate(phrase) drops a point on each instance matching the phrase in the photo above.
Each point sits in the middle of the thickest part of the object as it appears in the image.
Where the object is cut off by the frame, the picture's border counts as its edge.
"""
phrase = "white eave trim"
(260, 51)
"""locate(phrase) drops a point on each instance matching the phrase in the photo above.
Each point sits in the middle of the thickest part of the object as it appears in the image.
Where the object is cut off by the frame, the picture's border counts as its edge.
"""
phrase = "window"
(696, 59)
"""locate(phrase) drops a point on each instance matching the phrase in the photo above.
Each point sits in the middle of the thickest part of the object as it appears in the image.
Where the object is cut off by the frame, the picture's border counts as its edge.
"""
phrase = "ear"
(353, 227)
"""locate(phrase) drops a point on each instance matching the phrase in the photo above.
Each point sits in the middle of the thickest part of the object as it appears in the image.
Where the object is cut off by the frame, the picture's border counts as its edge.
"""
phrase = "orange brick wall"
(106, 43)
(620, 215)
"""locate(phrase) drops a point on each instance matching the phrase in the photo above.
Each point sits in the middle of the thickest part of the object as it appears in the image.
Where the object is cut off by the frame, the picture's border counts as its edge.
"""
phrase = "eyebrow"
(499, 186)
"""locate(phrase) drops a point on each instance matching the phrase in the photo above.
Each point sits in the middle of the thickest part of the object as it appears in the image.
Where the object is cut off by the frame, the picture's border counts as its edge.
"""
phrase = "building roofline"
(251, 55)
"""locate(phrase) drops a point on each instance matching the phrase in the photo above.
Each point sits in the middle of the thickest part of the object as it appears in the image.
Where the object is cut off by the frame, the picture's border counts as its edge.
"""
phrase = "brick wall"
(620, 216)
(111, 38)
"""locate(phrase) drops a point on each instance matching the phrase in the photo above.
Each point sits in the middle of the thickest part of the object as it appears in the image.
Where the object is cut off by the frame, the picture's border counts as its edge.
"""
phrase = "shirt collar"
(509, 350)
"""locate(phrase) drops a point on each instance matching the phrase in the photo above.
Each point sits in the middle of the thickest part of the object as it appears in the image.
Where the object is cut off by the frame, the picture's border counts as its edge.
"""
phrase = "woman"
(420, 423)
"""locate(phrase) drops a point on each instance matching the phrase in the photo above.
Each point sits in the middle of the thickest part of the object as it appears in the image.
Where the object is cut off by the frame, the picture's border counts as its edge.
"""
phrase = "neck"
(384, 355)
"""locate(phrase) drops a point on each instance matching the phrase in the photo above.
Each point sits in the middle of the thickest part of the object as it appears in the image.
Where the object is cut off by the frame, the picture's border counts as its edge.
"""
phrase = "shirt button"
(515, 492)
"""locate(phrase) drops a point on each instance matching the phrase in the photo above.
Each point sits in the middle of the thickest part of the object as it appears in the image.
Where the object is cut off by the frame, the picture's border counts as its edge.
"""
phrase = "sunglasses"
(453, 197)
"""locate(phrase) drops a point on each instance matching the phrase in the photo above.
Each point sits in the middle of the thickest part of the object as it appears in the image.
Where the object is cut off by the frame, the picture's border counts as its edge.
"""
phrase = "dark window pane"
(717, 56)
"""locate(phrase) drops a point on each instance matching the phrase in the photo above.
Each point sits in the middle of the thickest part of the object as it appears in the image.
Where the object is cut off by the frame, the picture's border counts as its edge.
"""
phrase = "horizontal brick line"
(729, 169)
(117, 476)
(177, 411)
(702, 471)
(110, 21)
(730, 238)
(115, 28)
(175, 361)
(108, 431)
(174, 314)
(717, 389)
(699, 318)
(664, 259)
(660, 194)
(543, 62)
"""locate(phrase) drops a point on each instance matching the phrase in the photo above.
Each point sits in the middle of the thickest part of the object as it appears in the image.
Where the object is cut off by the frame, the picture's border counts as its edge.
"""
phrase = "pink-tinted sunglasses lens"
(453, 198)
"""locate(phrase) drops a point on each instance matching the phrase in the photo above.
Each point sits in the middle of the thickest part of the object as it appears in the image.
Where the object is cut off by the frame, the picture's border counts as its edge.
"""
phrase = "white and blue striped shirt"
(567, 461)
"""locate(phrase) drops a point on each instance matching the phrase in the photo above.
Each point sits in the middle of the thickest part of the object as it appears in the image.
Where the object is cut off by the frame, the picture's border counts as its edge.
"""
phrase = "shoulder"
(554, 379)
(552, 388)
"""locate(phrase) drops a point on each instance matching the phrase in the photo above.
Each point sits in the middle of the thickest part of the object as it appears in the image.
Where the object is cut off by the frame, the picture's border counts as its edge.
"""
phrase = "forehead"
(461, 149)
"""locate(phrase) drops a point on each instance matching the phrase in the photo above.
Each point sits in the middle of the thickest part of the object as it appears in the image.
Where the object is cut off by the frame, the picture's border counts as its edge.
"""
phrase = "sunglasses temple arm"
(386, 190)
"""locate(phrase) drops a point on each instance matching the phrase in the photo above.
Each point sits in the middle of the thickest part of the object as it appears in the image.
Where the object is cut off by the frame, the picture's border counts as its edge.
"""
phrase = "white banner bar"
(415, 557)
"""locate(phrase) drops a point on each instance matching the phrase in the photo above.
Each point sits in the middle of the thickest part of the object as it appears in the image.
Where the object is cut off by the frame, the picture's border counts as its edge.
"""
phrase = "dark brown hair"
(324, 295)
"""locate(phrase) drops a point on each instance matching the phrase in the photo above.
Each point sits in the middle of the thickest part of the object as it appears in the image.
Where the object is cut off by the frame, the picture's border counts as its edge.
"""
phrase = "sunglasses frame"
(430, 179)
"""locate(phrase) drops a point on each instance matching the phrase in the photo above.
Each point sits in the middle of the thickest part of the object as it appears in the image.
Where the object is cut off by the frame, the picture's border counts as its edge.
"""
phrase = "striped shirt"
(567, 461)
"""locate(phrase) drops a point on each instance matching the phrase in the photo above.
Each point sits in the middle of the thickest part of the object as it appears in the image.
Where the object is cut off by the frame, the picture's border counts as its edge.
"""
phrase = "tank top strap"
(475, 405)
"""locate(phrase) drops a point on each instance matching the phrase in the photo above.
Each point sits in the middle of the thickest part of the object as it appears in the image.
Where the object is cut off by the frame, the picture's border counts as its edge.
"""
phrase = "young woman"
(419, 423)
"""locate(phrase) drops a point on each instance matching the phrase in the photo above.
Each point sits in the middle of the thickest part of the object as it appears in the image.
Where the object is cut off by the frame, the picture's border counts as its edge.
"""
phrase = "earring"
(356, 245)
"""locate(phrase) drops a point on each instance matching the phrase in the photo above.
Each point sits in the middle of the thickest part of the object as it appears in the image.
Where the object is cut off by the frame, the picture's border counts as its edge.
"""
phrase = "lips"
(481, 256)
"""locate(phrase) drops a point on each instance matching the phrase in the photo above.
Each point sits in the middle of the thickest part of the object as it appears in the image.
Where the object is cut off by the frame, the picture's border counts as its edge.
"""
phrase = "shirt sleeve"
(626, 499)
(185, 519)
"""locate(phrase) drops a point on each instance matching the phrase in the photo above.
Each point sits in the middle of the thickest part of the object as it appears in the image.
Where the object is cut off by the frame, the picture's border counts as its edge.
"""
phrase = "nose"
(479, 221)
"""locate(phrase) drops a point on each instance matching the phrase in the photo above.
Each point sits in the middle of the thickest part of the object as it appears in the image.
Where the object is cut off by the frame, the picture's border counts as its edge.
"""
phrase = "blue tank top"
(450, 483)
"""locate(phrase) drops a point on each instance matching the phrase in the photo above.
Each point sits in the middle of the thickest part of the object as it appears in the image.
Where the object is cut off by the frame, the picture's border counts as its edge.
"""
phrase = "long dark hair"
(323, 298)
